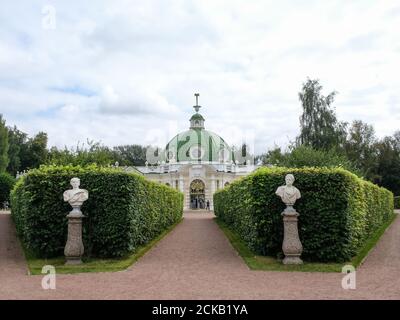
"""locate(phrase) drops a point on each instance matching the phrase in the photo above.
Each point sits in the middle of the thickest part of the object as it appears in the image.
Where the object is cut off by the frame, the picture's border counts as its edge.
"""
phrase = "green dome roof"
(197, 116)
(198, 145)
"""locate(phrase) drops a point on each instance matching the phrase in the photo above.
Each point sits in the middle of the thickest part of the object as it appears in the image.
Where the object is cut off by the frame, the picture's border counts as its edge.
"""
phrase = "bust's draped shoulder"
(74, 195)
(280, 191)
(67, 195)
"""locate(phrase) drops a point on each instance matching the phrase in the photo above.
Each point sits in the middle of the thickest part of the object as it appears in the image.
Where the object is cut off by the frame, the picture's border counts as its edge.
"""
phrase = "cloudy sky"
(124, 72)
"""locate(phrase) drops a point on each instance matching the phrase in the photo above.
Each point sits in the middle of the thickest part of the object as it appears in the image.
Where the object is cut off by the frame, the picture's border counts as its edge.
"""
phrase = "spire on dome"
(197, 120)
(197, 107)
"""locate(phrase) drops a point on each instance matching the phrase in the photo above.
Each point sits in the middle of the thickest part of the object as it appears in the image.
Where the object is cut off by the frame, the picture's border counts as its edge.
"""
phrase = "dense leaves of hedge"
(338, 211)
(397, 202)
(6, 184)
(124, 210)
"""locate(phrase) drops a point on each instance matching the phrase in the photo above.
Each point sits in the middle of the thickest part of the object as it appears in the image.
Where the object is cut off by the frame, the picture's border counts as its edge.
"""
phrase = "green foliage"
(82, 155)
(360, 148)
(338, 211)
(124, 210)
(303, 156)
(17, 146)
(3, 145)
(388, 163)
(6, 184)
(130, 155)
(397, 202)
(26, 153)
(96, 153)
(35, 151)
(320, 128)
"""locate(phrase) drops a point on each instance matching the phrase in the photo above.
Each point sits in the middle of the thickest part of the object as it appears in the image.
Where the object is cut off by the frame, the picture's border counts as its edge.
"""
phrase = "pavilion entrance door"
(197, 195)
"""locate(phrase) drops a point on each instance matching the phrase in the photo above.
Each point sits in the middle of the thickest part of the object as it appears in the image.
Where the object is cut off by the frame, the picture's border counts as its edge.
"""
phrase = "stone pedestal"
(292, 247)
(74, 247)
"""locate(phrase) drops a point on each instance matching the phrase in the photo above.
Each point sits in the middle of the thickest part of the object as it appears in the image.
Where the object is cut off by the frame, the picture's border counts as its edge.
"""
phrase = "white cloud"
(125, 71)
(136, 101)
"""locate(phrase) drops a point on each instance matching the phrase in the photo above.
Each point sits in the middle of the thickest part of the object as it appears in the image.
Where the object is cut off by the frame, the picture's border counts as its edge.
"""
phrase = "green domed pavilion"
(198, 145)
(197, 162)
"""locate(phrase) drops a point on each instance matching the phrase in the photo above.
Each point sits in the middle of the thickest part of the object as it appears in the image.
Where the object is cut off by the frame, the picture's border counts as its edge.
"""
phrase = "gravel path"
(196, 261)
(11, 256)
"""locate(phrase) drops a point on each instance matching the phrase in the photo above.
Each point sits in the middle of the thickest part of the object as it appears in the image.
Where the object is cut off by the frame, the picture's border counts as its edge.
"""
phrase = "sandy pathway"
(196, 261)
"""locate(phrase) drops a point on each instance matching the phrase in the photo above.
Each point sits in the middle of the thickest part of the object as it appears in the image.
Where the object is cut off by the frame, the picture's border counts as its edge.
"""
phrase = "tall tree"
(396, 140)
(303, 156)
(319, 126)
(360, 148)
(35, 152)
(17, 142)
(82, 154)
(388, 164)
(3, 144)
(131, 155)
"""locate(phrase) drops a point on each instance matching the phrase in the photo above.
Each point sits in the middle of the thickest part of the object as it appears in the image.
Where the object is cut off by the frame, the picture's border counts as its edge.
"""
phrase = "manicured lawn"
(91, 264)
(256, 262)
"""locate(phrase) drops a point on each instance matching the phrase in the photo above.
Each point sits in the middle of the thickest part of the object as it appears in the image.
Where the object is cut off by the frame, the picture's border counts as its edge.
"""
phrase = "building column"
(181, 183)
(213, 189)
(181, 189)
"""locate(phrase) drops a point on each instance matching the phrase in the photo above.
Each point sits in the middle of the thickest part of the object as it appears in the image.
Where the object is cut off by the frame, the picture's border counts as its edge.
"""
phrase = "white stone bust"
(75, 196)
(288, 193)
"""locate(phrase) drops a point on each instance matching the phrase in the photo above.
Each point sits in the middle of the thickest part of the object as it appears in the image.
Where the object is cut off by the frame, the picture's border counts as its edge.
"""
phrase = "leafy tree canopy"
(319, 127)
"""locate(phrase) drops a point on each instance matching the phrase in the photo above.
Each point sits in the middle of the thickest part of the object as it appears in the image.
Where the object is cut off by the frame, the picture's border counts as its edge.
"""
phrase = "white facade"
(182, 176)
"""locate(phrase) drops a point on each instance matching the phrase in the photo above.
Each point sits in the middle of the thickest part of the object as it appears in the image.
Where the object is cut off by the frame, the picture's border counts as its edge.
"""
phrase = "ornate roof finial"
(197, 107)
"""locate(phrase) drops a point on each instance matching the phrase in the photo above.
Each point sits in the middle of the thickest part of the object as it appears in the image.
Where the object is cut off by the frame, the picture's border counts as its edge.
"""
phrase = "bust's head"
(289, 180)
(75, 183)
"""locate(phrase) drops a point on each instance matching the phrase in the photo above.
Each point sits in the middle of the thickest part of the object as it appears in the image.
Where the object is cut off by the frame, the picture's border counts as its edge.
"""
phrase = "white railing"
(221, 167)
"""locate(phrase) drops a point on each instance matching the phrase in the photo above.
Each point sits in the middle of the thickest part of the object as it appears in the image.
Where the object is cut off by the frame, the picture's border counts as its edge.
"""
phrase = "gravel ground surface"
(196, 261)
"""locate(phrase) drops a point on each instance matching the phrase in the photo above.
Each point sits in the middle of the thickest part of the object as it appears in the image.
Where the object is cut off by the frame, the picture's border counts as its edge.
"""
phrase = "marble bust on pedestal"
(76, 196)
(74, 249)
(288, 193)
(291, 246)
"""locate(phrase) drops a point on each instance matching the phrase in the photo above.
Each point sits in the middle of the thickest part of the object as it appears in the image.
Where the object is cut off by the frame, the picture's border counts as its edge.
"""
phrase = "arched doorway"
(197, 194)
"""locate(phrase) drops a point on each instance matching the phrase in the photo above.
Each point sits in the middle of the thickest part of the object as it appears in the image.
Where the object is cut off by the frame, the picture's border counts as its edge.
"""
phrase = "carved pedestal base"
(292, 260)
(74, 248)
(292, 247)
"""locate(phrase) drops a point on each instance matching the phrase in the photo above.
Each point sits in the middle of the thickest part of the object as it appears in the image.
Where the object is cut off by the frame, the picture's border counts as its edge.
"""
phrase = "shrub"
(124, 210)
(6, 184)
(397, 202)
(305, 156)
(338, 211)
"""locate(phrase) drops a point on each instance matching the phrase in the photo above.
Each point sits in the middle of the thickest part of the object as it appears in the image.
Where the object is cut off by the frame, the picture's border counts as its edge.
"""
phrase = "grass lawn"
(256, 262)
(91, 264)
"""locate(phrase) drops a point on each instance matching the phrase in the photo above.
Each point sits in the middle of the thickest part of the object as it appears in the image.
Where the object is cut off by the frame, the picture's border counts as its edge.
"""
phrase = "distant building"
(197, 162)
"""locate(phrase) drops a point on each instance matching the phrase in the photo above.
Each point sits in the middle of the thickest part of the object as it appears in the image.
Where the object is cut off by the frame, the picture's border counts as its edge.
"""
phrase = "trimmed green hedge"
(6, 184)
(397, 202)
(338, 211)
(124, 210)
